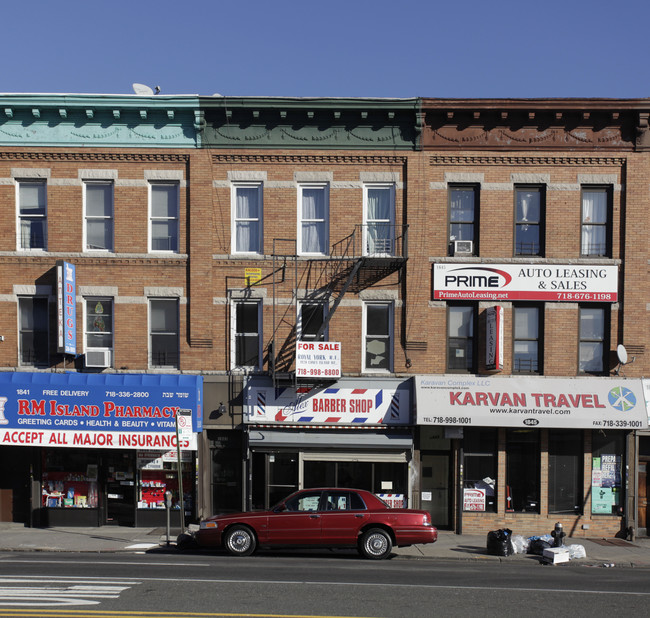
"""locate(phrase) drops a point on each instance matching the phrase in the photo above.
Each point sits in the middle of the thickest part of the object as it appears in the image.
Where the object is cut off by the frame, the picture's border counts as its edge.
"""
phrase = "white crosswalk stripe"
(45, 592)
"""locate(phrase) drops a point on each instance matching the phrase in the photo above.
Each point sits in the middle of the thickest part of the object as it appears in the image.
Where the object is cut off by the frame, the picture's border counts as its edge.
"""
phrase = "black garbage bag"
(499, 542)
(537, 546)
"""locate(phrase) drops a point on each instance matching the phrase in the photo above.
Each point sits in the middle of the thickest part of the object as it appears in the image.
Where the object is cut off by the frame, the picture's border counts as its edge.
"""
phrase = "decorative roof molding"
(130, 157)
(525, 160)
(317, 159)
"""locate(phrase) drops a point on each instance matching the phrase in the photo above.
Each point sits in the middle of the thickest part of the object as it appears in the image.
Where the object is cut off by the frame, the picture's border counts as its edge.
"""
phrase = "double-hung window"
(98, 204)
(526, 339)
(313, 207)
(460, 338)
(529, 219)
(596, 221)
(164, 198)
(33, 331)
(164, 337)
(98, 333)
(379, 219)
(32, 214)
(247, 232)
(593, 339)
(463, 220)
(378, 336)
(246, 342)
(310, 319)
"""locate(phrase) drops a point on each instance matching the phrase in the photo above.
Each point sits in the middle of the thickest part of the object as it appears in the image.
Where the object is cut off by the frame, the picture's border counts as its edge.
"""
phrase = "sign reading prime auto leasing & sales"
(508, 282)
(578, 403)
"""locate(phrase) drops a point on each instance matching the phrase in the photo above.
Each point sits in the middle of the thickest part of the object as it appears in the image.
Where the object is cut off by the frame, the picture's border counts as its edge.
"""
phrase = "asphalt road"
(307, 584)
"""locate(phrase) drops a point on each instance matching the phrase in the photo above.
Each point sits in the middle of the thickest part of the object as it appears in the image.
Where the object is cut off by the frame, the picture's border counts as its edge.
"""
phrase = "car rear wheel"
(375, 544)
(240, 541)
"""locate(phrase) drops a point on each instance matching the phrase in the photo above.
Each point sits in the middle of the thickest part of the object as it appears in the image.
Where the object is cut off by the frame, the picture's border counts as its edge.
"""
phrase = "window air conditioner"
(463, 247)
(98, 358)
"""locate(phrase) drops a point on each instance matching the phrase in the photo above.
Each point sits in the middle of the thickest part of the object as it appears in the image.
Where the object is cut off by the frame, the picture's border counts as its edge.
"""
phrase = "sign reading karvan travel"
(507, 282)
(578, 403)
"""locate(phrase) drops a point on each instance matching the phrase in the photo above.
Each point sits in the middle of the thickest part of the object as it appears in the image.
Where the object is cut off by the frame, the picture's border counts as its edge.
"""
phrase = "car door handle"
(359, 515)
(314, 516)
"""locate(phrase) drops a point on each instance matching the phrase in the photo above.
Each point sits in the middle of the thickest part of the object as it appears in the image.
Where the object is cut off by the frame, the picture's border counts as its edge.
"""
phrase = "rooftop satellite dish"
(621, 352)
(142, 89)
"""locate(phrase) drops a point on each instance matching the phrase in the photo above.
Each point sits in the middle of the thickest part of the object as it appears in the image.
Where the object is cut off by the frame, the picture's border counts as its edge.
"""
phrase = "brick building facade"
(210, 235)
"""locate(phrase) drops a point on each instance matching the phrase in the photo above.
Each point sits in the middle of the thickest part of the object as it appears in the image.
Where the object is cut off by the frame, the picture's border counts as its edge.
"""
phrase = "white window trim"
(325, 308)
(391, 336)
(233, 335)
(150, 334)
(86, 332)
(326, 188)
(18, 182)
(252, 184)
(391, 221)
(150, 216)
(93, 181)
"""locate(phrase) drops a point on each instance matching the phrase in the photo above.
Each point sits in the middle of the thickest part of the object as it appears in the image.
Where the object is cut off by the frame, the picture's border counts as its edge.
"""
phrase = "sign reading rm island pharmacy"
(575, 403)
(318, 359)
(507, 282)
(97, 411)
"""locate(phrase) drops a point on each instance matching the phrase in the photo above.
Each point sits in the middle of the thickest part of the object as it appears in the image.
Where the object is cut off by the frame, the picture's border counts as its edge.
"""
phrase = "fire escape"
(368, 255)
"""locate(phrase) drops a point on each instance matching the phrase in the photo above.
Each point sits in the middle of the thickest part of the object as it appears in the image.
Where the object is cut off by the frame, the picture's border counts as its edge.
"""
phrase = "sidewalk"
(450, 546)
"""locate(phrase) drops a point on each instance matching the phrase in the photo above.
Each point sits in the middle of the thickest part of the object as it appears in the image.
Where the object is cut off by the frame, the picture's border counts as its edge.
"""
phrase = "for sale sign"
(318, 359)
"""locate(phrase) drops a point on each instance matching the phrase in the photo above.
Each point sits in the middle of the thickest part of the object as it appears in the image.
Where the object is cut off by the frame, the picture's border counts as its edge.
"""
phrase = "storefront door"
(119, 487)
(435, 488)
(275, 476)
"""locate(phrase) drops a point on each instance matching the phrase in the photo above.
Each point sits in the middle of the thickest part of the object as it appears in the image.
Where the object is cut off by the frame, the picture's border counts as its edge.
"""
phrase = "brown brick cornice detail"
(519, 160)
(131, 157)
(331, 159)
(45, 260)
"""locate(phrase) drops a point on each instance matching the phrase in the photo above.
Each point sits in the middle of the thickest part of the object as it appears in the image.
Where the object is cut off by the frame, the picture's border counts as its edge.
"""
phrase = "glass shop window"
(480, 468)
(607, 461)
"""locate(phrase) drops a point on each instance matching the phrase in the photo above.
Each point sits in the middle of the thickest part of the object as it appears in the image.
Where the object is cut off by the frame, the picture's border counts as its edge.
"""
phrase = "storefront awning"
(579, 403)
(96, 410)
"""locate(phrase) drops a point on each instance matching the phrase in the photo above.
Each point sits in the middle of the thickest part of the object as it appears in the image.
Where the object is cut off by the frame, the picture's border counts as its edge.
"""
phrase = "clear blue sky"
(336, 48)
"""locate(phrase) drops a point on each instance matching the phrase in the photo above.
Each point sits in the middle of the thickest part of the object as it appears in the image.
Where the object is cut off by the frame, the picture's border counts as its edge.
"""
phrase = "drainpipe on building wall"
(459, 497)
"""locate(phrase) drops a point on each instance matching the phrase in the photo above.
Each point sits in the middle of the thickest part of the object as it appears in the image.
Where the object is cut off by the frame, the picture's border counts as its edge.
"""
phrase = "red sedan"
(321, 518)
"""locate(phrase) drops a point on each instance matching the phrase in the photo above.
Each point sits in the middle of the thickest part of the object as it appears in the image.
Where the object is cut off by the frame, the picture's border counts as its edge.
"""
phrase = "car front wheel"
(376, 544)
(240, 541)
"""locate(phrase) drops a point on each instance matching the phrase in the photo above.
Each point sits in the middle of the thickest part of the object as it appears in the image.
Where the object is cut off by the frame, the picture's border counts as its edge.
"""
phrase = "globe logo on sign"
(621, 398)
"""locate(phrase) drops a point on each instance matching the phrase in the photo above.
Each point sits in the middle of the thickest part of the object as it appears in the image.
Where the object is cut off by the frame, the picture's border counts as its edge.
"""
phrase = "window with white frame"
(596, 223)
(593, 339)
(164, 337)
(246, 341)
(247, 212)
(164, 199)
(98, 332)
(379, 219)
(313, 208)
(32, 214)
(378, 336)
(98, 205)
(311, 317)
(33, 331)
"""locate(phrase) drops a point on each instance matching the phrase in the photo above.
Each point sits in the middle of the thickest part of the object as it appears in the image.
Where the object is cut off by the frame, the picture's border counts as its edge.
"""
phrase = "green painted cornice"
(99, 120)
(311, 123)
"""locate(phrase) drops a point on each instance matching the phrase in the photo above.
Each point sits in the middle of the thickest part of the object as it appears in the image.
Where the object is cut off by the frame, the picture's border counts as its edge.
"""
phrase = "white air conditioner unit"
(463, 247)
(98, 358)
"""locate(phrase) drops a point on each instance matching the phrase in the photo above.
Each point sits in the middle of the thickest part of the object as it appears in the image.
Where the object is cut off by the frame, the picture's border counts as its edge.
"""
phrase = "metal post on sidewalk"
(168, 506)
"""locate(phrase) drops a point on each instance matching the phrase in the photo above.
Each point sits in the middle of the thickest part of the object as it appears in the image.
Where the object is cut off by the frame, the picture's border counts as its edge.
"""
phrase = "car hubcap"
(376, 544)
(240, 541)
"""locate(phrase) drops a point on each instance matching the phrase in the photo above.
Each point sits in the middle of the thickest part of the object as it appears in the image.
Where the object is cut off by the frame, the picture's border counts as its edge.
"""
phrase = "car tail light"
(426, 520)
(208, 525)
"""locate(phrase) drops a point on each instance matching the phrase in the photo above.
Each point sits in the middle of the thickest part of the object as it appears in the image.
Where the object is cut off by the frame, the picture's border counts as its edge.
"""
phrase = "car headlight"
(208, 525)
